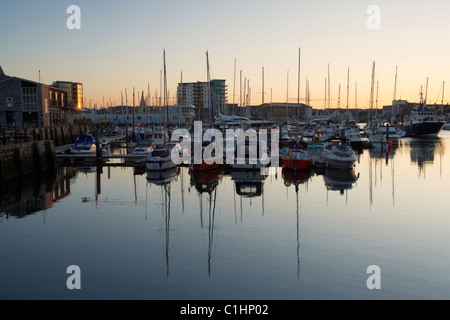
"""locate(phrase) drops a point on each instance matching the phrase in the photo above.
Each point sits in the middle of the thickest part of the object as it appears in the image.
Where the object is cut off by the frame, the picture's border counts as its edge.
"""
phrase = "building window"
(29, 98)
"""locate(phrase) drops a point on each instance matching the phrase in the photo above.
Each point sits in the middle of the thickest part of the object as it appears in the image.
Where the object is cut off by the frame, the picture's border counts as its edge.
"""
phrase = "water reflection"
(386, 153)
(207, 182)
(339, 179)
(295, 178)
(424, 150)
(248, 184)
(32, 194)
(164, 179)
(298, 223)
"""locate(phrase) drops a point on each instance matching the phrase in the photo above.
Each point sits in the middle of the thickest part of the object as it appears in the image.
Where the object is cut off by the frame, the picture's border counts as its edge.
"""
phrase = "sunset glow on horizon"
(120, 47)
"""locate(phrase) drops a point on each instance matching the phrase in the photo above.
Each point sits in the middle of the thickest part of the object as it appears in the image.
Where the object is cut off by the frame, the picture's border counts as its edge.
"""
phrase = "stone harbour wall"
(21, 160)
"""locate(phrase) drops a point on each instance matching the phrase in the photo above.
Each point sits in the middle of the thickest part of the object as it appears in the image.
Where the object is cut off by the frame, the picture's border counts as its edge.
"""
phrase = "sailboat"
(215, 161)
(161, 158)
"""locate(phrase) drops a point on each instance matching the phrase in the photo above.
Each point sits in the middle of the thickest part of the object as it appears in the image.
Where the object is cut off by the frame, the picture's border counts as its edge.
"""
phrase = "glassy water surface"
(233, 235)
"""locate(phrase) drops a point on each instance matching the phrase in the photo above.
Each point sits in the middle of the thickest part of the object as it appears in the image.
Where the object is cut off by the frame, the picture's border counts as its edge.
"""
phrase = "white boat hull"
(332, 157)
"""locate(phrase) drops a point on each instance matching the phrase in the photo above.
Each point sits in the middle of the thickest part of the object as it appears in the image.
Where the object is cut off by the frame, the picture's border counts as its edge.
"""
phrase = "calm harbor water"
(228, 235)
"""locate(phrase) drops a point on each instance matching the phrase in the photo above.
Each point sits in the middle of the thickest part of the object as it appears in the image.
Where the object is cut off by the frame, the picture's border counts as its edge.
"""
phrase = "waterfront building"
(197, 94)
(279, 112)
(179, 115)
(74, 93)
(26, 103)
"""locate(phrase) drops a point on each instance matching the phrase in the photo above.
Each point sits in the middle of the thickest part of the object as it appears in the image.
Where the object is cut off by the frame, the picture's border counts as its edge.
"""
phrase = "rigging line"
(439, 93)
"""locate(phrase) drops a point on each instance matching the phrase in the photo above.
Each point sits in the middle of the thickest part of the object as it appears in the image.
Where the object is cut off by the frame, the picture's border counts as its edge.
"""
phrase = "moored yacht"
(354, 138)
(85, 144)
(338, 154)
(161, 158)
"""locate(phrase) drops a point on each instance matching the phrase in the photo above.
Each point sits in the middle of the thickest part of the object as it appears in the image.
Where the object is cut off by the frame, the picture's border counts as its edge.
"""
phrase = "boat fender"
(287, 183)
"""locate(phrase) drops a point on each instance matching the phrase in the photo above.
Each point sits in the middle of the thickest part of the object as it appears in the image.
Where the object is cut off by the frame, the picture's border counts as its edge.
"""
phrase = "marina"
(162, 151)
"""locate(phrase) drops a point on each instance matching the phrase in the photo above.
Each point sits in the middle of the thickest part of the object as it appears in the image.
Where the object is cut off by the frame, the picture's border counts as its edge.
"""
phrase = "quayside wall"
(60, 135)
(21, 160)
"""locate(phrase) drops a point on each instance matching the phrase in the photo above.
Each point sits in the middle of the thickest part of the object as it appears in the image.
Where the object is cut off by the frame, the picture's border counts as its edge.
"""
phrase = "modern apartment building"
(203, 96)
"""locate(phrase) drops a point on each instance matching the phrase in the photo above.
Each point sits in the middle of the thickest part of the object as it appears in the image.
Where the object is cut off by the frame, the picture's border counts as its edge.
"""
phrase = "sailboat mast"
(165, 94)
(442, 102)
(395, 84)
(329, 89)
(160, 88)
(339, 97)
(234, 84)
(244, 94)
(133, 109)
(287, 95)
(248, 93)
(126, 103)
(356, 102)
(262, 93)
(372, 92)
(298, 89)
(181, 89)
(348, 78)
(121, 99)
(210, 97)
(376, 103)
(240, 88)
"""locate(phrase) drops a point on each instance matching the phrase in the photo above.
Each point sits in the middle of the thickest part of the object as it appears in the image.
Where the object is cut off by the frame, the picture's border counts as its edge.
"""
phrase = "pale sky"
(120, 46)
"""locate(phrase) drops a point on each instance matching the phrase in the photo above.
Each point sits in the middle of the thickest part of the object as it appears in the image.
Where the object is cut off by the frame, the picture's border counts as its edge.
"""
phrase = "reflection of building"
(33, 104)
(21, 198)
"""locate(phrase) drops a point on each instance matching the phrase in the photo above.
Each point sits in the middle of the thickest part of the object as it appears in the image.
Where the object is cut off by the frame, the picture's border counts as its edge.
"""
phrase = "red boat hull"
(293, 164)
